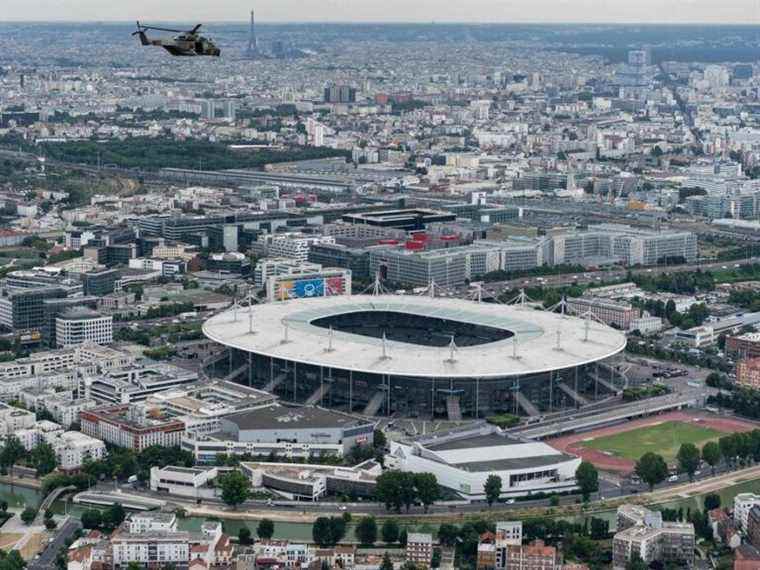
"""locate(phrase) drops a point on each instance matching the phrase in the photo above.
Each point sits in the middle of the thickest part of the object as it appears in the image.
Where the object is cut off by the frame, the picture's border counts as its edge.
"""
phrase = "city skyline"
(420, 11)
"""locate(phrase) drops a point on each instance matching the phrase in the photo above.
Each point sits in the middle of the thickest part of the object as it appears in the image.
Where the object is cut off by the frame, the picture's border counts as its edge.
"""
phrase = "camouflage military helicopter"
(187, 43)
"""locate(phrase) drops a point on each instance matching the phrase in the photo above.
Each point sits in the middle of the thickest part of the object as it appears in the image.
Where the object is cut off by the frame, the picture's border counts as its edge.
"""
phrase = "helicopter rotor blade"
(162, 29)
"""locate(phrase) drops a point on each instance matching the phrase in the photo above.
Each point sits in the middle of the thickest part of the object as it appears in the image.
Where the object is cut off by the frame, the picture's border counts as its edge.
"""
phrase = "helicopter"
(187, 43)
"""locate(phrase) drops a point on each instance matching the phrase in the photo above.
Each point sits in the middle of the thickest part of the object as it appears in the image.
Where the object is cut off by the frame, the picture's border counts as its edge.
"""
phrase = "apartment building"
(748, 373)
(652, 539)
(130, 425)
(419, 549)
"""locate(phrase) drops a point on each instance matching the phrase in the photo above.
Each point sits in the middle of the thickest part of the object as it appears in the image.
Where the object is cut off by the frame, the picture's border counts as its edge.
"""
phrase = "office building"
(135, 383)
(619, 315)
(272, 266)
(292, 245)
(23, 309)
(184, 481)
(281, 431)
(336, 255)
(615, 243)
(83, 326)
(296, 285)
(409, 219)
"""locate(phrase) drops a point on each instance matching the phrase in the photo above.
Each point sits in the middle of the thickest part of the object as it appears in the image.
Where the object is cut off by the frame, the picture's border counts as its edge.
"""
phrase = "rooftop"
(536, 333)
(280, 417)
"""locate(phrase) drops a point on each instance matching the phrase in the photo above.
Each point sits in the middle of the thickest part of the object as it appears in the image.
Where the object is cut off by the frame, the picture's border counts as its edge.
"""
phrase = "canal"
(20, 497)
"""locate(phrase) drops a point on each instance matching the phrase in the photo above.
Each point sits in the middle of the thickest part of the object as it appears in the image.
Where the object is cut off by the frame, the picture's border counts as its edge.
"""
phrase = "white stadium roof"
(535, 332)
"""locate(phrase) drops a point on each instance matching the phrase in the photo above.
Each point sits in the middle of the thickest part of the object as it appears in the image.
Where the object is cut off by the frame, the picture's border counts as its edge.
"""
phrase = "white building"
(743, 503)
(14, 419)
(271, 266)
(293, 245)
(81, 326)
(463, 461)
(139, 523)
(183, 481)
(73, 448)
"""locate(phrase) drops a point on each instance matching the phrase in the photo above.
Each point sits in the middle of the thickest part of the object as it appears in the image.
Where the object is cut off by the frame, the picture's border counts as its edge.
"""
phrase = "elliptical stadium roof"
(545, 341)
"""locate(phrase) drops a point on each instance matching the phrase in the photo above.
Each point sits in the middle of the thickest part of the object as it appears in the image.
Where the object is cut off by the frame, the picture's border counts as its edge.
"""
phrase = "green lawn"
(664, 438)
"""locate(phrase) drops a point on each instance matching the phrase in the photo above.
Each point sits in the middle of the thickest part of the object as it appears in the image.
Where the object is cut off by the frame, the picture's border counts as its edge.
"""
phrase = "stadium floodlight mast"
(285, 328)
(452, 351)
(250, 314)
(385, 355)
(329, 347)
(515, 356)
(235, 307)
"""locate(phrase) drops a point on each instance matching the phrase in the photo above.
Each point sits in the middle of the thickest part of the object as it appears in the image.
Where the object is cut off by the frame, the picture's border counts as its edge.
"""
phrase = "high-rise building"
(340, 94)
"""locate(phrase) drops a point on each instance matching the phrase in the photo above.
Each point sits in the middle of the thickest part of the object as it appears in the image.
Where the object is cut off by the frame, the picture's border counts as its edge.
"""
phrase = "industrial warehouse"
(421, 356)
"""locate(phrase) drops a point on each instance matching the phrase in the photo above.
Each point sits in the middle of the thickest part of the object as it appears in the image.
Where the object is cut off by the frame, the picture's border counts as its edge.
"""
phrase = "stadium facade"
(420, 356)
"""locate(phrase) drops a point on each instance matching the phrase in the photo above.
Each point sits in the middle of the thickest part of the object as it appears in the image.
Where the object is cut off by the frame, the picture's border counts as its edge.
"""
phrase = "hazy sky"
(650, 11)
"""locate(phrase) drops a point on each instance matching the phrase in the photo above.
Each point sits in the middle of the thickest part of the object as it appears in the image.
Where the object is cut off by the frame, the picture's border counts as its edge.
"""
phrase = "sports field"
(663, 438)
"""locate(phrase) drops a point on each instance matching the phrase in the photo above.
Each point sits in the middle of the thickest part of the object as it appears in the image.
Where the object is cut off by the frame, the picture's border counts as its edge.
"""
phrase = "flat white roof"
(535, 332)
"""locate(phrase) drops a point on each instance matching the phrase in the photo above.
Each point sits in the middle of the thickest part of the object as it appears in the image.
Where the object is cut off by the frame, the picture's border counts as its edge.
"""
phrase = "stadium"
(420, 356)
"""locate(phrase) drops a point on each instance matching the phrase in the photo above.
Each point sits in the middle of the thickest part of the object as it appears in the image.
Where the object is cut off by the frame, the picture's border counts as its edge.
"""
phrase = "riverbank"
(26, 482)
(664, 496)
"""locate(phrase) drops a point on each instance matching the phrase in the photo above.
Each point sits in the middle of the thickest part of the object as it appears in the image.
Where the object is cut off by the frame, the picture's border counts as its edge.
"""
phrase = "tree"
(389, 531)
(652, 469)
(402, 537)
(12, 452)
(320, 531)
(234, 486)
(711, 454)
(728, 448)
(448, 534)
(244, 535)
(387, 563)
(492, 489)
(688, 458)
(427, 489)
(114, 516)
(389, 489)
(600, 528)
(712, 501)
(379, 441)
(265, 530)
(587, 478)
(636, 563)
(328, 531)
(43, 458)
(28, 515)
(92, 519)
(134, 566)
(366, 530)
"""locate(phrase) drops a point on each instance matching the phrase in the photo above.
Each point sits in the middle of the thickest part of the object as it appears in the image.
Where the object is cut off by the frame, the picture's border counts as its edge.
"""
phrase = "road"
(46, 560)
